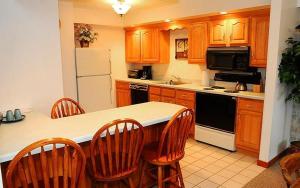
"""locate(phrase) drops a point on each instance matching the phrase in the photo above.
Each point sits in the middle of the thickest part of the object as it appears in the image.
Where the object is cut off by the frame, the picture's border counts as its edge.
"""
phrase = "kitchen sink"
(171, 82)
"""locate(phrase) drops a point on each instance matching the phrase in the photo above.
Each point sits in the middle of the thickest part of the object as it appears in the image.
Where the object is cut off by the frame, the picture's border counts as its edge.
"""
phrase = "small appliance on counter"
(147, 73)
(135, 73)
(241, 86)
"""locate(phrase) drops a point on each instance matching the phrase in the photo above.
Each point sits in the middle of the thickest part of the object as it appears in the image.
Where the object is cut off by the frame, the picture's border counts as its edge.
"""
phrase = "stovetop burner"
(218, 87)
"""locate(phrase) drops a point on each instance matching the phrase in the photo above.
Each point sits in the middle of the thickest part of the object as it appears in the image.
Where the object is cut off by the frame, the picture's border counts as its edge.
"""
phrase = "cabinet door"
(198, 43)
(123, 97)
(133, 46)
(150, 46)
(167, 100)
(218, 35)
(155, 98)
(238, 29)
(259, 41)
(248, 130)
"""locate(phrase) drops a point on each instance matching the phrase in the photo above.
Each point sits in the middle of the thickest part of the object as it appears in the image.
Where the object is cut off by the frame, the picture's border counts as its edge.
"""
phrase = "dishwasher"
(139, 93)
(215, 120)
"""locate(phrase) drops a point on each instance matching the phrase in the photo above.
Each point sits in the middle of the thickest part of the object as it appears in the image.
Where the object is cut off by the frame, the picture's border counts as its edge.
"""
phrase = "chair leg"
(179, 174)
(131, 184)
(160, 177)
(144, 164)
(105, 185)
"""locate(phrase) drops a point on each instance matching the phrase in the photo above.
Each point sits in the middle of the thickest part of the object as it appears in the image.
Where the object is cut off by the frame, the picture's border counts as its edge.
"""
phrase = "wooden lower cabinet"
(123, 94)
(168, 99)
(248, 125)
(155, 98)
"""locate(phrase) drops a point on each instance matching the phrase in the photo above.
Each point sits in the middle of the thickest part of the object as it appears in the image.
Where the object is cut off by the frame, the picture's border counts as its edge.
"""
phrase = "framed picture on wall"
(181, 48)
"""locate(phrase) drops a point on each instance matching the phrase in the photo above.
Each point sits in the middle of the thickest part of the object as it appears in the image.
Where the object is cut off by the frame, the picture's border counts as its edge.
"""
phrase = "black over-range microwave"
(228, 58)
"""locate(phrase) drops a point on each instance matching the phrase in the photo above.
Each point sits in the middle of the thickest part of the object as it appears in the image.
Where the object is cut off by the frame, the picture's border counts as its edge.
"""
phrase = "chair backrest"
(290, 166)
(66, 107)
(116, 149)
(174, 136)
(60, 168)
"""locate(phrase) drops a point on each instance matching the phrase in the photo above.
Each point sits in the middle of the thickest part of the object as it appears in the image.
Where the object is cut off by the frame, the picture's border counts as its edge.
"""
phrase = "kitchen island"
(81, 128)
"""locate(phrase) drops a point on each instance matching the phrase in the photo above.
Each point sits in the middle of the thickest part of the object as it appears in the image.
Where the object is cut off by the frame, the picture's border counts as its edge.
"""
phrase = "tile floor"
(205, 166)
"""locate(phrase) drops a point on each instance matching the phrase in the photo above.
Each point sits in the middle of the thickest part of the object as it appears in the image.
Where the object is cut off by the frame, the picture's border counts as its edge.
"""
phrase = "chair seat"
(150, 155)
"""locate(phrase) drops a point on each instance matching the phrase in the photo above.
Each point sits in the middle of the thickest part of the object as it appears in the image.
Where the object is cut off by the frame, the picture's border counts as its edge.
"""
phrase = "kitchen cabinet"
(248, 125)
(218, 32)
(147, 46)
(259, 40)
(133, 46)
(229, 32)
(174, 96)
(238, 31)
(123, 95)
(150, 45)
(154, 93)
(198, 41)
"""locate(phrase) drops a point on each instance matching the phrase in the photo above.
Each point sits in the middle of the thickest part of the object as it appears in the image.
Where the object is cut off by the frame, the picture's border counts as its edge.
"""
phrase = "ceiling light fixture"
(121, 7)
(223, 12)
(168, 20)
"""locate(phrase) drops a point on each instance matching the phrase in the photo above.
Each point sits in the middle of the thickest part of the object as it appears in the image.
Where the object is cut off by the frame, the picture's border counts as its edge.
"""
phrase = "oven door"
(216, 111)
(138, 96)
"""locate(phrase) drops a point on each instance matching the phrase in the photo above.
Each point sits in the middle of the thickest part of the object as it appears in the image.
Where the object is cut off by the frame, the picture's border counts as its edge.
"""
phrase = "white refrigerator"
(94, 82)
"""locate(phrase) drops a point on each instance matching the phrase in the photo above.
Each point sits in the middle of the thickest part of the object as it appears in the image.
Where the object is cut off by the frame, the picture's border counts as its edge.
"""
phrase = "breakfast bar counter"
(81, 128)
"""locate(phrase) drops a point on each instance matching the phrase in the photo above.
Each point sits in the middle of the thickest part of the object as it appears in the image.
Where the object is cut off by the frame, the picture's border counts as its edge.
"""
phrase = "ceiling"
(136, 4)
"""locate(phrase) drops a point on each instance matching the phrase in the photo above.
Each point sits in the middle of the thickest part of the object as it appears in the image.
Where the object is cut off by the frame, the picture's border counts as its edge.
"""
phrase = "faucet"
(176, 77)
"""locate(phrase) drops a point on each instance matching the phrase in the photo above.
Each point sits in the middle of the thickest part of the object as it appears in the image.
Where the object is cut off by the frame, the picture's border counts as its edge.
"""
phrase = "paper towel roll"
(204, 78)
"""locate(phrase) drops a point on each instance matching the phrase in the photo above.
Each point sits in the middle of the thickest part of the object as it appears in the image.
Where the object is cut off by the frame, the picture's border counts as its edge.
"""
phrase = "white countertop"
(14, 137)
(198, 88)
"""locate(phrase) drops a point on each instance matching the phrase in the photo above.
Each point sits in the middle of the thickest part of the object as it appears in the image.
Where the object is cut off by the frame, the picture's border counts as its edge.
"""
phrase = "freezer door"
(92, 61)
(94, 93)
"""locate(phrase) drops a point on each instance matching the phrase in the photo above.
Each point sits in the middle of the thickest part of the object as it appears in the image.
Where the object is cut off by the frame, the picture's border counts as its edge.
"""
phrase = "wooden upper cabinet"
(218, 35)
(133, 46)
(198, 39)
(150, 45)
(238, 29)
(229, 32)
(259, 41)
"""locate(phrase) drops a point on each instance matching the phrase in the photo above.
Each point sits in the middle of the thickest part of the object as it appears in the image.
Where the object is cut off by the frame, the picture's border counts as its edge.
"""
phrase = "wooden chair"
(66, 107)
(169, 150)
(115, 151)
(290, 166)
(59, 168)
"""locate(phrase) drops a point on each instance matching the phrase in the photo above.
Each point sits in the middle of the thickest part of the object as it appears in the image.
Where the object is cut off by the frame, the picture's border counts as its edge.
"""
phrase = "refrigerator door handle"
(111, 100)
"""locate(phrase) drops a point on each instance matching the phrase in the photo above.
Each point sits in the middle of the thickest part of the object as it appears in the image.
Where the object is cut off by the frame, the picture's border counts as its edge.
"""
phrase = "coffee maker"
(147, 73)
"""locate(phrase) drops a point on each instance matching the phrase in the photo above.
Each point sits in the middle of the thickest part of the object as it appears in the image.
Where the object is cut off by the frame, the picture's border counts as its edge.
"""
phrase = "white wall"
(277, 113)
(66, 15)
(30, 65)
(110, 37)
(185, 8)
